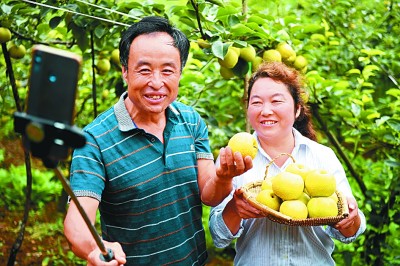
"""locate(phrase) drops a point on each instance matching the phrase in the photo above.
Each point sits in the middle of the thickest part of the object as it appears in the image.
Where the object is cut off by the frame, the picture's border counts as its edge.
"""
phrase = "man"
(147, 164)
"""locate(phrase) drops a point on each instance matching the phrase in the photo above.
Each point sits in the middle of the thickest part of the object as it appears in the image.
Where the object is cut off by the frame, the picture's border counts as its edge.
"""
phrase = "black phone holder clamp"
(47, 139)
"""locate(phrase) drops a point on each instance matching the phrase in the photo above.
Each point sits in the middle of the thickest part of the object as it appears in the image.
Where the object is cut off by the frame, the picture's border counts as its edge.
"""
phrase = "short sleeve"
(87, 170)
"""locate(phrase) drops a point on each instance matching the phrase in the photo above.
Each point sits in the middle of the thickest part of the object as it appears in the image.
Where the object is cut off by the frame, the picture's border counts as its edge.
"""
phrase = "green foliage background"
(352, 47)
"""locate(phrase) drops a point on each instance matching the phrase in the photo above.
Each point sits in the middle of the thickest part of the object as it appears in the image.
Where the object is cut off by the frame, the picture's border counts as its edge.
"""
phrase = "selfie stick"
(106, 254)
(44, 138)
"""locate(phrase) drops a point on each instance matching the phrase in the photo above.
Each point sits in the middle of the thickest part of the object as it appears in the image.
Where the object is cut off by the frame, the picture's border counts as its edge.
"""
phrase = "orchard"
(347, 51)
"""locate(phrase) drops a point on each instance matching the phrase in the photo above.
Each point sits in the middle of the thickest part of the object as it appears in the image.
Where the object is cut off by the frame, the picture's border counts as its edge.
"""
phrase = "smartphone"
(53, 83)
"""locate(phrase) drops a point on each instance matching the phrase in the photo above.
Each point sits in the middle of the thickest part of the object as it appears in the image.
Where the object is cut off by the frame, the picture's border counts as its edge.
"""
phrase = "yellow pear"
(103, 66)
(320, 183)
(203, 43)
(5, 35)
(248, 53)
(230, 59)
(268, 198)
(236, 50)
(256, 63)
(115, 57)
(226, 73)
(286, 51)
(272, 55)
(320, 207)
(294, 208)
(334, 196)
(288, 186)
(17, 51)
(305, 198)
(266, 184)
(300, 62)
(244, 143)
(298, 168)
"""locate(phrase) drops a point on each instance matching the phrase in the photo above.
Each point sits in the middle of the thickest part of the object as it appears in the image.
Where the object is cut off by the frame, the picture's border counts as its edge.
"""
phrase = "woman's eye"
(277, 101)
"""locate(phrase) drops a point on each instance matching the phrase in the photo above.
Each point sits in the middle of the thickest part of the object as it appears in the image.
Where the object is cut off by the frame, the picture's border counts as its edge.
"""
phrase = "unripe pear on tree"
(226, 73)
(287, 52)
(272, 55)
(248, 53)
(5, 35)
(230, 59)
(256, 63)
(17, 51)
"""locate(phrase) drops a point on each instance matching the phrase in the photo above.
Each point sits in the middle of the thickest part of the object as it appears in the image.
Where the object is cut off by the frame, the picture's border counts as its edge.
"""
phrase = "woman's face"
(271, 110)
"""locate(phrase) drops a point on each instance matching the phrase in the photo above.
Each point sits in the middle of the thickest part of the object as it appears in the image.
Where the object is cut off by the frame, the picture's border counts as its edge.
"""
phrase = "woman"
(282, 124)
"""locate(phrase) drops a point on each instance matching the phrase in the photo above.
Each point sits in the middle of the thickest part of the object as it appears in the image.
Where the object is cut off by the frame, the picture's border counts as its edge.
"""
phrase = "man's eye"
(168, 71)
(144, 71)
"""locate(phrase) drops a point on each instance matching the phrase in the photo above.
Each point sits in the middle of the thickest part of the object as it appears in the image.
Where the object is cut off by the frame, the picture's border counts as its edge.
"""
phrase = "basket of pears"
(298, 196)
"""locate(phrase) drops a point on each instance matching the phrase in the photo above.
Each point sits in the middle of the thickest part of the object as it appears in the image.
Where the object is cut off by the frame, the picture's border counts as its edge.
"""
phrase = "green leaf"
(256, 19)
(100, 32)
(381, 120)
(55, 21)
(218, 49)
(342, 84)
(318, 37)
(393, 92)
(241, 30)
(354, 71)
(372, 52)
(216, 2)
(373, 115)
(311, 28)
(368, 85)
(227, 11)
(395, 125)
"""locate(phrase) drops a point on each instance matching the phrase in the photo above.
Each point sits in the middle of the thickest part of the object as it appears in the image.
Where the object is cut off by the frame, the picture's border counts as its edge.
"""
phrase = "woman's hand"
(350, 225)
(237, 209)
(242, 207)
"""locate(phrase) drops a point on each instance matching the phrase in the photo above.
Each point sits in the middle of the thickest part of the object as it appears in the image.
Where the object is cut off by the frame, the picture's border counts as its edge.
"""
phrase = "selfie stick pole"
(106, 254)
(43, 136)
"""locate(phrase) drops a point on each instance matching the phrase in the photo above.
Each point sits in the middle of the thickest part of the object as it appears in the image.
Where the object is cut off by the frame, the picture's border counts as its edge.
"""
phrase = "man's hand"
(118, 260)
(232, 164)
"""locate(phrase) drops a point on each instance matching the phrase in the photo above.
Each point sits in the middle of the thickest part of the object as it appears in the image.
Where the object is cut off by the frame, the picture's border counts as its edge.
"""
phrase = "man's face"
(153, 72)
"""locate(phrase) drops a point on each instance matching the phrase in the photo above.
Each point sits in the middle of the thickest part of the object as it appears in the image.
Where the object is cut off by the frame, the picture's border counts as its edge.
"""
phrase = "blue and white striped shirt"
(148, 191)
(263, 242)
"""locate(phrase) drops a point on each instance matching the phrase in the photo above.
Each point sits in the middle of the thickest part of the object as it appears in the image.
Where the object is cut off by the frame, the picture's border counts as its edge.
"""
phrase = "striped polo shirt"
(148, 192)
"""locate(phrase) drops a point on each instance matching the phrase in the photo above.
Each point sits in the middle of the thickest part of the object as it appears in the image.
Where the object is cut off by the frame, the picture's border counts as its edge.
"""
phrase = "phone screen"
(52, 84)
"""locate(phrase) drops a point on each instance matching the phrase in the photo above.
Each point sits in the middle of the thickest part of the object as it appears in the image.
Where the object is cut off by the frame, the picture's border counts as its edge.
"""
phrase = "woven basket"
(251, 190)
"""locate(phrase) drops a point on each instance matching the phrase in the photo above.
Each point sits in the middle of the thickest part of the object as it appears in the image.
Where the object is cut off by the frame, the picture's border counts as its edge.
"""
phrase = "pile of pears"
(301, 192)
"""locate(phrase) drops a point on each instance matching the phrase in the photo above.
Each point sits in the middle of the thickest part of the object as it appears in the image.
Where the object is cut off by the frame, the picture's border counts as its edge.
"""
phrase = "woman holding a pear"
(282, 124)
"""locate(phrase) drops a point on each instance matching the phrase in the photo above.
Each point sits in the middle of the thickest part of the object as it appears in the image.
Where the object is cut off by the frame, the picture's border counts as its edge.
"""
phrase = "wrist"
(222, 180)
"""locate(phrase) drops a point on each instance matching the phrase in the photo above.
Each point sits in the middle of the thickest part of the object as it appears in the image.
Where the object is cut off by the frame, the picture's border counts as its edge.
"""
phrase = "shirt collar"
(299, 140)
